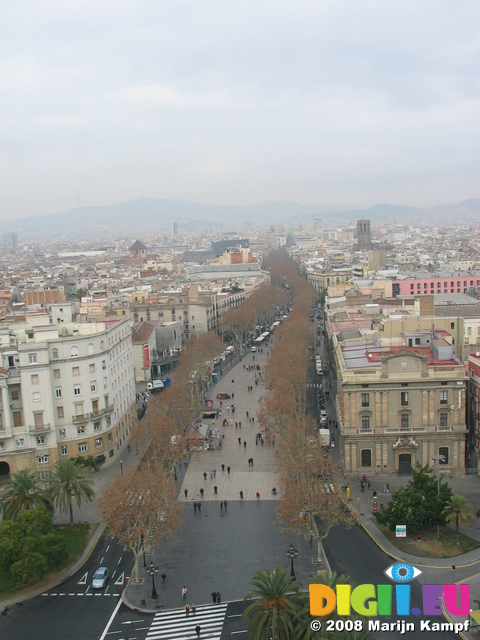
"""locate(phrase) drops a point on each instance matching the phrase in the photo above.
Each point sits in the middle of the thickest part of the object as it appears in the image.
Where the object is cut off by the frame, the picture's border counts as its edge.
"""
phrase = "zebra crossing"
(176, 625)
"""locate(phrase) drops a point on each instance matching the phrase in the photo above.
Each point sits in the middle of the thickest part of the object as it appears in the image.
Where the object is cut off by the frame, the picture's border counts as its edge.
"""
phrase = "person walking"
(199, 507)
(219, 597)
(204, 475)
(184, 592)
(241, 495)
(185, 491)
(214, 596)
(187, 609)
(244, 444)
(164, 577)
(239, 441)
(221, 505)
(215, 489)
(258, 495)
(225, 503)
(223, 467)
(198, 628)
(201, 493)
(211, 474)
(228, 470)
(214, 473)
(194, 608)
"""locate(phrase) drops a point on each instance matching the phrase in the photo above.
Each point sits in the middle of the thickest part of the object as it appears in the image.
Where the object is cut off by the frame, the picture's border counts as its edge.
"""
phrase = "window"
(444, 419)
(93, 386)
(62, 433)
(43, 459)
(366, 457)
(110, 438)
(92, 368)
(40, 440)
(443, 397)
(56, 373)
(60, 412)
(32, 358)
(109, 421)
(82, 447)
(110, 453)
(35, 379)
(365, 400)
(20, 442)
(444, 451)
(58, 392)
(96, 426)
(365, 422)
(36, 396)
(74, 352)
(104, 364)
(77, 390)
(15, 395)
(90, 349)
(81, 429)
(452, 325)
(469, 331)
(64, 450)
(404, 398)
(98, 443)
(76, 371)
(55, 354)
(404, 420)
(2, 445)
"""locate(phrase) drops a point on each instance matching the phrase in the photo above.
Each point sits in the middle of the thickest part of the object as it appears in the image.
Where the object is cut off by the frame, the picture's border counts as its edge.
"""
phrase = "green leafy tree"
(23, 492)
(271, 615)
(459, 511)
(29, 568)
(70, 482)
(417, 505)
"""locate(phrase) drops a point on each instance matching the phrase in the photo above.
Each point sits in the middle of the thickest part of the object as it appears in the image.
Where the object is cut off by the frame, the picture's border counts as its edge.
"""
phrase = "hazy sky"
(238, 102)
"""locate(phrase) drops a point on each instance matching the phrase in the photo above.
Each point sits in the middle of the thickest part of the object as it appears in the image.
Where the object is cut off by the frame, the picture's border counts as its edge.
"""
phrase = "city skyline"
(237, 104)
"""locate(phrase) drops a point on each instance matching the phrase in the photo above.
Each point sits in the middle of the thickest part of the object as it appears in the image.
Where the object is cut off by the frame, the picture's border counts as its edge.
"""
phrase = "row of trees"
(309, 477)
(68, 482)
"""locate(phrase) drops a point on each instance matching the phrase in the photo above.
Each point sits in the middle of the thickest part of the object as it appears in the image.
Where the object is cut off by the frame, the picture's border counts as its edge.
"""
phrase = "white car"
(100, 578)
(254, 348)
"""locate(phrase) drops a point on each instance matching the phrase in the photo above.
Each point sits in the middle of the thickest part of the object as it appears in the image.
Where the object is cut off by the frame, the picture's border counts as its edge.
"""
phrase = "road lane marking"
(108, 547)
(120, 559)
(83, 579)
(112, 617)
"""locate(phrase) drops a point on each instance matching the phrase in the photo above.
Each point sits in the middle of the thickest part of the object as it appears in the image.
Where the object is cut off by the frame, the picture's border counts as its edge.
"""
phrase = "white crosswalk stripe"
(176, 625)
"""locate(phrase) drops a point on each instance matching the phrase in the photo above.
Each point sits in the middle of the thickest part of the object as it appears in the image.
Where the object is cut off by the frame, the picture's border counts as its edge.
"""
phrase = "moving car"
(100, 578)
(223, 396)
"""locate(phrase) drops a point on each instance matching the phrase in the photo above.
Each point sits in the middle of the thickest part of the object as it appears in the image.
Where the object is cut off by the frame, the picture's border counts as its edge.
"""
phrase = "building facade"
(66, 391)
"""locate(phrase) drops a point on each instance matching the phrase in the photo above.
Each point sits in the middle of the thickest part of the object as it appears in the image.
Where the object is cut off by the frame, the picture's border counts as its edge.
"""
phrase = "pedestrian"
(214, 596)
(228, 409)
(244, 444)
(194, 608)
(195, 507)
(185, 491)
(204, 475)
(214, 473)
(164, 577)
(215, 488)
(228, 470)
(241, 495)
(225, 503)
(187, 609)
(223, 467)
(211, 474)
(198, 628)
(221, 505)
(233, 381)
(258, 495)
(246, 413)
(239, 425)
(387, 488)
(240, 441)
(236, 424)
(201, 492)
(184, 592)
(199, 507)
(219, 597)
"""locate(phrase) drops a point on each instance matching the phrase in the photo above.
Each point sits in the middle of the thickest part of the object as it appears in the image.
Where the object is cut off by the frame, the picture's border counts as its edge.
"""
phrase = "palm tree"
(302, 628)
(23, 492)
(459, 511)
(271, 615)
(69, 481)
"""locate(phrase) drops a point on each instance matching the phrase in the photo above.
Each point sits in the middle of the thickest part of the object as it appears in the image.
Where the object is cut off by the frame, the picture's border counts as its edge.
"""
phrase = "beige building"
(66, 390)
(399, 406)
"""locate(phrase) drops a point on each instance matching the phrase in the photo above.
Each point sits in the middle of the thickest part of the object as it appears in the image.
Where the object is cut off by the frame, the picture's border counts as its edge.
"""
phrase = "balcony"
(447, 428)
(39, 428)
(5, 433)
(80, 418)
(108, 410)
(407, 430)
(366, 431)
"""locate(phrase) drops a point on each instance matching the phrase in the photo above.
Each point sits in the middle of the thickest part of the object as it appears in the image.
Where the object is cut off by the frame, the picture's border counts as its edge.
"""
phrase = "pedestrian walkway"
(249, 478)
(176, 625)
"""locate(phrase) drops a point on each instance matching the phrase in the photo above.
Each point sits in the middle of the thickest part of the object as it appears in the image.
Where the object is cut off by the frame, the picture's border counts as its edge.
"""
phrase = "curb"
(5, 604)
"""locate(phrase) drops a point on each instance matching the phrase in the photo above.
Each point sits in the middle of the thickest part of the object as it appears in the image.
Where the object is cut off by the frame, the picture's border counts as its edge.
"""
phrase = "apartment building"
(66, 390)
(438, 283)
(473, 412)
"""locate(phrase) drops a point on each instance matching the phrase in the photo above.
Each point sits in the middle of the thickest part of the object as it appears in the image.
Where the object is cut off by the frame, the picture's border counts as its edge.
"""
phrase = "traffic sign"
(401, 531)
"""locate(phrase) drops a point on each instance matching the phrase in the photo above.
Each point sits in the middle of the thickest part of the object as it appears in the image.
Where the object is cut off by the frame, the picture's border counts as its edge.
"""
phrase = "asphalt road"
(354, 553)
(72, 611)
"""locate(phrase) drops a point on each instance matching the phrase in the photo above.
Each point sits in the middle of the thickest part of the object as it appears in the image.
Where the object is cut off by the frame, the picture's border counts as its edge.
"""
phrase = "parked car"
(254, 348)
(100, 578)
(223, 396)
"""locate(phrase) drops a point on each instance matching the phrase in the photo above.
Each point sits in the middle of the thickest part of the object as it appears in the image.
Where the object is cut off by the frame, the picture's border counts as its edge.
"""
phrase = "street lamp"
(142, 538)
(438, 458)
(152, 570)
(292, 553)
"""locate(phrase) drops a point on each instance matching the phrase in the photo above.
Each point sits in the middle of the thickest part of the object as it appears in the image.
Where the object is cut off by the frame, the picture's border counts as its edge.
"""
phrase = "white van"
(155, 384)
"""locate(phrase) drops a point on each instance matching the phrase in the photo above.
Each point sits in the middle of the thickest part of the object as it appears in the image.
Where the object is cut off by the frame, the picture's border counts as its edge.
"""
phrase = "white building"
(66, 390)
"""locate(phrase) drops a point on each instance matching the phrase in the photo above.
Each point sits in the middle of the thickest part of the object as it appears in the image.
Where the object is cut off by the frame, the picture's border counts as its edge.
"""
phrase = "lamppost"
(152, 570)
(438, 458)
(292, 553)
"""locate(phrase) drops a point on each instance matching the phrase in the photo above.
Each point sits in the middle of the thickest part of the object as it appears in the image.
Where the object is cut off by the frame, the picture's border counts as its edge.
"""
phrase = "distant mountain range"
(154, 215)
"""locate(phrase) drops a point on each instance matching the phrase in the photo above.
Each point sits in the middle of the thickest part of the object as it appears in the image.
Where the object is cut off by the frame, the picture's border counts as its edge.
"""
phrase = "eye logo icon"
(401, 572)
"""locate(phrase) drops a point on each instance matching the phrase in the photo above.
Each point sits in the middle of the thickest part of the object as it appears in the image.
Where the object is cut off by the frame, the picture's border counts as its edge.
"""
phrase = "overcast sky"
(237, 102)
